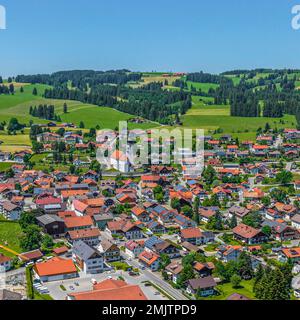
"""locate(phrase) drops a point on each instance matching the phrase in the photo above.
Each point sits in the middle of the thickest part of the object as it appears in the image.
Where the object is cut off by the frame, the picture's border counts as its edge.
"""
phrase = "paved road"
(176, 294)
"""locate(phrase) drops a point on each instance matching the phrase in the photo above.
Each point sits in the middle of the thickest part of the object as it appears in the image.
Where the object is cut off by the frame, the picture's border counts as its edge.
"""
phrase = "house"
(253, 195)
(87, 258)
(60, 251)
(229, 253)
(125, 228)
(237, 297)
(203, 269)
(90, 236)
(183, 221)
(102, 219)
(51, 224)
(188, 247)
(133, 248)
(139, 213)
(10, 210)
(77, 223)
(287, 210)
(49, 204)
(248, 234)
(296, 221)
(281, 231)
(238, 212)
(5, 263)
(110, 290)
(167, 248)
(195, 236)
(174, 270)
(31, 256)
(155, 227)
(55, 269)
(110, 251)
(150, 260)
(205, 214)
(292, 254)
(201, 286)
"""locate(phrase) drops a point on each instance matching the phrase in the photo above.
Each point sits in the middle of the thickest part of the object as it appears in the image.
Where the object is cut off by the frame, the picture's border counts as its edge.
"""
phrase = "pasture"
(217, 117)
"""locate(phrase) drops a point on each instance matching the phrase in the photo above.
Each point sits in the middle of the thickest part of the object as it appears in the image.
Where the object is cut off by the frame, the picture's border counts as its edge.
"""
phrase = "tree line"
(46, 112)
(81, 78)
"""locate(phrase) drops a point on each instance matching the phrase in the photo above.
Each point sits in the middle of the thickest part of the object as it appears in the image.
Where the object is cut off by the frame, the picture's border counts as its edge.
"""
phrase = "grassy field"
(5, 166)
(226, 290)
(14, 143)
(18, 105)
(10, 233)
(203, 86)
(213, 117)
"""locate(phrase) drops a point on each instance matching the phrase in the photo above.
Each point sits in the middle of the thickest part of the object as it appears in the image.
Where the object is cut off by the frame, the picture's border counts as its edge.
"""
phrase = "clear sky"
(164, 35)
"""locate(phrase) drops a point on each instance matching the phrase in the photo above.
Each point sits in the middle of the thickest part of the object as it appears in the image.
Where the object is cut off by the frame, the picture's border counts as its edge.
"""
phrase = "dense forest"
(206, 78)
(81, 78)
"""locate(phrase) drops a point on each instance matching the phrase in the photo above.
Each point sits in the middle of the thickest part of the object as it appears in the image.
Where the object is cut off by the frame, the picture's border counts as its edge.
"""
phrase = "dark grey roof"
(49, 218)
(9, 295)
(296, 218)
(279, 227)
(83, 250)
(202, 283)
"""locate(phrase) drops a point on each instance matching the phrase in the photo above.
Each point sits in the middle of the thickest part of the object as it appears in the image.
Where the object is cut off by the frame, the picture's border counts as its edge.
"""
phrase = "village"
(153, 232)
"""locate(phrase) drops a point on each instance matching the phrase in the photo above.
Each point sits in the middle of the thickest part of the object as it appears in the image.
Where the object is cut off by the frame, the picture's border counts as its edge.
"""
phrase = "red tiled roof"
(245, 231)
(55, 266)
(191, 233)
(112, 290)
(84, 233)
(73, 222)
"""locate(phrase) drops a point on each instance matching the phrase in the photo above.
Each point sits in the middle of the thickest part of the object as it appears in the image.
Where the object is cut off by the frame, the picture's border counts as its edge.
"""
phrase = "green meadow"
(18, 105)
(217, 117)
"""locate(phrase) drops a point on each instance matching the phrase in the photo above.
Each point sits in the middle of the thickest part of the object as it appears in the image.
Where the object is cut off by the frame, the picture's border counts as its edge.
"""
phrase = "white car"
(29, 264)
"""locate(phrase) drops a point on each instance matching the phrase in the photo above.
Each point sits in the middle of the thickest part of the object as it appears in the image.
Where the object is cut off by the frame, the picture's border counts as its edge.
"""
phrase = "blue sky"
(162, 35)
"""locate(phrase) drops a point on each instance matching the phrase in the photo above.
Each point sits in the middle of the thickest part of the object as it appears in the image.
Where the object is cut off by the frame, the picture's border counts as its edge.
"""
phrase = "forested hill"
(250, 93)
(79, 78)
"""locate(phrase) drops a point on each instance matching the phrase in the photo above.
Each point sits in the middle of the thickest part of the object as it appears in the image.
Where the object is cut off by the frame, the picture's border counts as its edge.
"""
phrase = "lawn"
(203, 86)
(10, 233)
(5, 166)
(226, 289)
